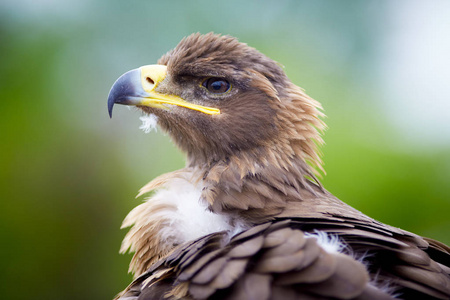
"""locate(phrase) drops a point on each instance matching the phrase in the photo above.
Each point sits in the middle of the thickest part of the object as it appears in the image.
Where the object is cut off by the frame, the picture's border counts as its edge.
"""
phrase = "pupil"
(217, 85)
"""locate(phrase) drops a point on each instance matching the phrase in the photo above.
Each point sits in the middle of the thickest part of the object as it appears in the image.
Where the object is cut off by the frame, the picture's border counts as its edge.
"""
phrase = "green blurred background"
(69, 174)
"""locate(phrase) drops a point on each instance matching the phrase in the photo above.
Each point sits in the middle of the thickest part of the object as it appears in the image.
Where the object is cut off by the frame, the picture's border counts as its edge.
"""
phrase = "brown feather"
(319, 270)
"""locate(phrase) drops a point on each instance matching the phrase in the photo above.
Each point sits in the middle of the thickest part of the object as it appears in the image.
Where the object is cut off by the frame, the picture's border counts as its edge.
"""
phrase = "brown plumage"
(266, 228)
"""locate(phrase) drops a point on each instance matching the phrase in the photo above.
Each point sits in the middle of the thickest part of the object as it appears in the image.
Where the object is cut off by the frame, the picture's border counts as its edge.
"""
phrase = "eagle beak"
(137, 87)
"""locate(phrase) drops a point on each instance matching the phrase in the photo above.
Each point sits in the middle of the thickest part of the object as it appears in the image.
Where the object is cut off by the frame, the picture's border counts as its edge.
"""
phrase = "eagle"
(247, 217)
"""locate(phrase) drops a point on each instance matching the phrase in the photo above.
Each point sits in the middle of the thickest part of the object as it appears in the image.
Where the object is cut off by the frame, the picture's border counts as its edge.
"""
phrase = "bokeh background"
(69, 174)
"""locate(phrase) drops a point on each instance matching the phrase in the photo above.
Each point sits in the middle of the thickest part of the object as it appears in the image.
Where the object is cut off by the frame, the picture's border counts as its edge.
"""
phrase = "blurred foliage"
(69, 174)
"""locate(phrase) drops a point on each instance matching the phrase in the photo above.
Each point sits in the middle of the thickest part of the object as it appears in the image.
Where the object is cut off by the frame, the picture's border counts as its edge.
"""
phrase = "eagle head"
(218, 98)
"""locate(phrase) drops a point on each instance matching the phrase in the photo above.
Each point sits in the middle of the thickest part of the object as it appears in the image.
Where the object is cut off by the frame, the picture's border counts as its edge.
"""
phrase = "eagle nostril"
(149, 80)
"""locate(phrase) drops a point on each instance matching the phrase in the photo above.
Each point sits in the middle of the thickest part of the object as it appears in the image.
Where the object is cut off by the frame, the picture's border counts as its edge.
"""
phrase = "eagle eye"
(216, 85)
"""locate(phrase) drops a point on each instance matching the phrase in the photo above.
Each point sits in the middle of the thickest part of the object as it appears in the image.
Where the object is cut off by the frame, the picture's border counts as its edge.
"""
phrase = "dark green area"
(69, 174)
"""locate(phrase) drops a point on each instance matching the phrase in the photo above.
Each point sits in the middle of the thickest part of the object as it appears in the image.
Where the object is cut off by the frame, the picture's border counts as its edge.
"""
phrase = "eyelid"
(205, 80)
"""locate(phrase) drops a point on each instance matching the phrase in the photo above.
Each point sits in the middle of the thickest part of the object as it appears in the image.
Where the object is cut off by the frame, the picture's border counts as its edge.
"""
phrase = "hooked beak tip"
(126, 90)
(110, 107)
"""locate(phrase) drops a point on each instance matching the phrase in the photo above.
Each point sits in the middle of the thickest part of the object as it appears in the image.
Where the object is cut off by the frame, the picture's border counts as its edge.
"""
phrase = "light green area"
(69, 174)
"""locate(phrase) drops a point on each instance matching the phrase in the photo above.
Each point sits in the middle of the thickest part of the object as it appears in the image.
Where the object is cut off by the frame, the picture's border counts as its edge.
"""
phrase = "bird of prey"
(247, 217)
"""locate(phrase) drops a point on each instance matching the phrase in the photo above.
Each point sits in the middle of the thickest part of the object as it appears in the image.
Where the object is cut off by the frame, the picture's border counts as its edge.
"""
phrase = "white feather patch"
(190, 218)
(149, 123)
(328, 242)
